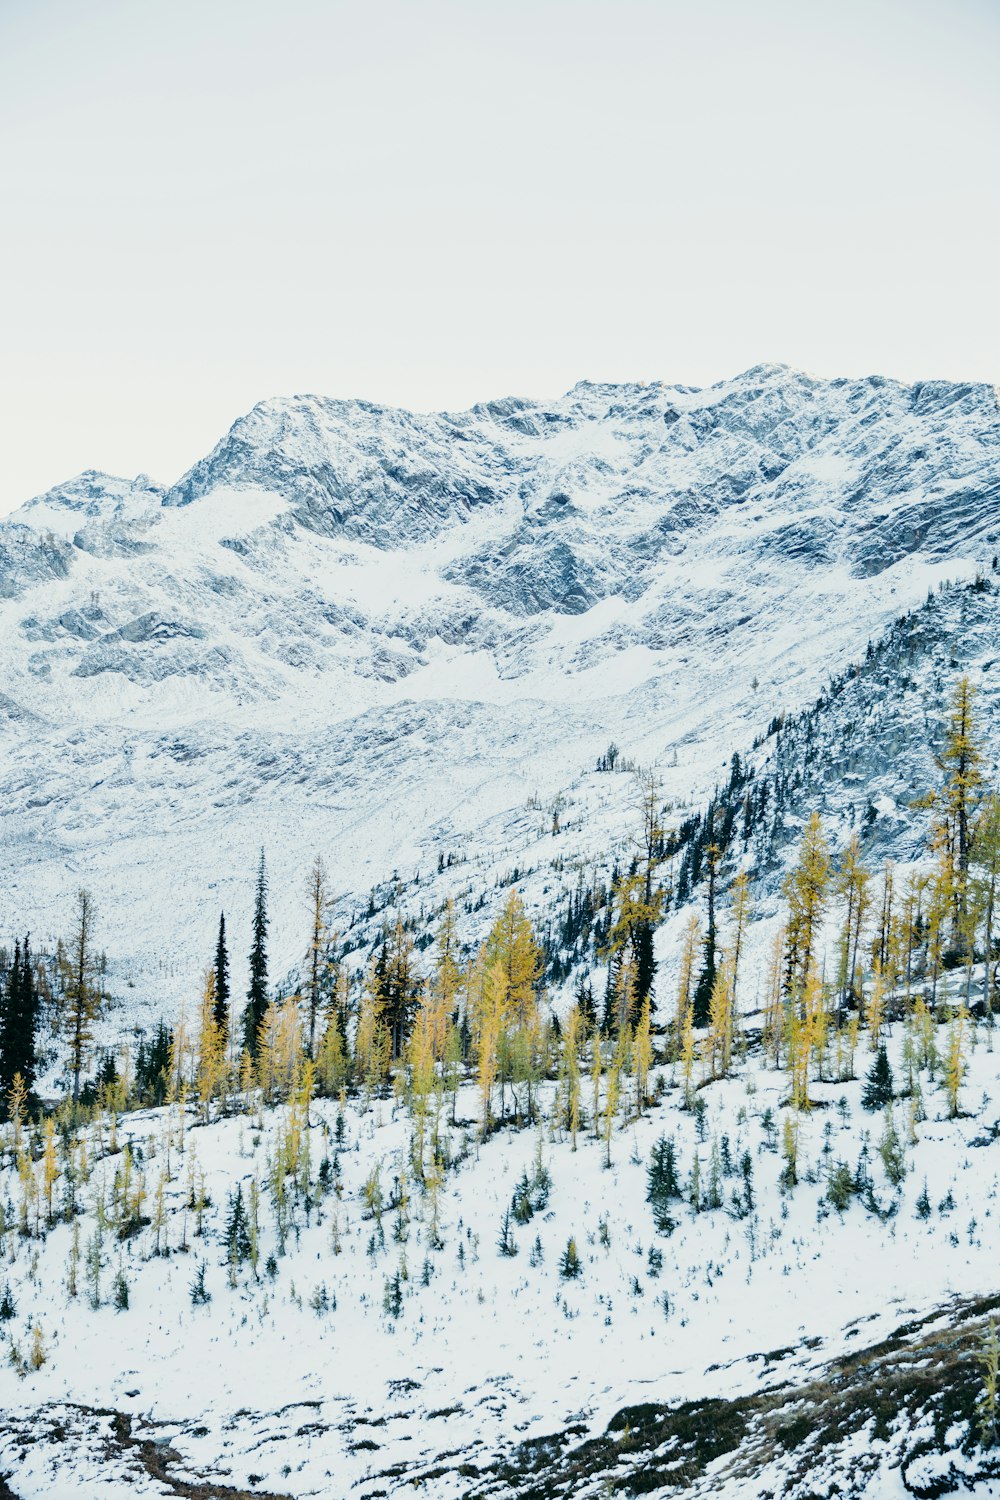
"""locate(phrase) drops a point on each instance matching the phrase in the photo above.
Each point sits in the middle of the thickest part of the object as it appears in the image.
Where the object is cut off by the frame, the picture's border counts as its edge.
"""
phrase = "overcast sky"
(207, 202)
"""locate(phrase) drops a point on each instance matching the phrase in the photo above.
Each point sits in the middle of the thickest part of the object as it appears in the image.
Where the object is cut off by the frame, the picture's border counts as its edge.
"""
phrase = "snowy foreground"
(306, 1382)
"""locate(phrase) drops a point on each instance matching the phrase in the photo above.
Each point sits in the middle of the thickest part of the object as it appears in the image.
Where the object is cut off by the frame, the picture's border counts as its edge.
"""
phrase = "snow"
(258, 1382)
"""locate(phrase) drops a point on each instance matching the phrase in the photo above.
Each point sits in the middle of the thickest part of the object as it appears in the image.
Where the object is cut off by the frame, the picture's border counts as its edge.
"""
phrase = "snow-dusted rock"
(379, 633)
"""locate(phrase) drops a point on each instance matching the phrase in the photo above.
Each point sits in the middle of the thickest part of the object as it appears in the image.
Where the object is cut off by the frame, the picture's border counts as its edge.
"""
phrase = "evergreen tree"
(199, 1292)
(706, 980)
(221, 969)
(237, 1229)
(392, 1296)
(506, 1243)
(645, 963)
(585, 1002)
(257, 998)
(663, 1183)
(396, 986)
(18, 1021)
(570, 1265)
(878, 1089)
(152, 1066)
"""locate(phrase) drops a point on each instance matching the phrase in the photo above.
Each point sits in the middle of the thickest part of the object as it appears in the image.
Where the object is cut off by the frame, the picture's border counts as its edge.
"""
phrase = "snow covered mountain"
(406, 642)
(388, 636)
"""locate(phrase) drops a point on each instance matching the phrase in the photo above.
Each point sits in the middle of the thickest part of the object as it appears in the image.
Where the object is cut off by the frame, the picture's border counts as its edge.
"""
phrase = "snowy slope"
(305, 1380)
(382, 635)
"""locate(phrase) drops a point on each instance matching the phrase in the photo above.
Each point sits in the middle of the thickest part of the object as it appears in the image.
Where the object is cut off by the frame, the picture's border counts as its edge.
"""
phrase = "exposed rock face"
(380, 633)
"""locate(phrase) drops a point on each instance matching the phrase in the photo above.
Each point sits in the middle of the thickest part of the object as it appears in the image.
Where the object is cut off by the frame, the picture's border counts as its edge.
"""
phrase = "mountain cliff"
(383, 635)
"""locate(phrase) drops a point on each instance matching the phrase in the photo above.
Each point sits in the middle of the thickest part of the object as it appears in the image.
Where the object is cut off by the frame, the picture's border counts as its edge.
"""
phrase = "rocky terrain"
(390, 637)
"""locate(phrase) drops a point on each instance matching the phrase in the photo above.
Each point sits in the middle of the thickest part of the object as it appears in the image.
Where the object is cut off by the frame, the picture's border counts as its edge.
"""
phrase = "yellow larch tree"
(852, 887)
(806, 888)
(690, 949)
(642, 1046)
(572, 1033)
(211, 1055)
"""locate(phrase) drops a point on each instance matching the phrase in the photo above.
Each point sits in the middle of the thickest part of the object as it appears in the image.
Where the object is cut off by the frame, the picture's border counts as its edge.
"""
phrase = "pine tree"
(221, 973)
(18, 1021)
(119, 1294)
(199, 1292)
(332, 1063)
(774, 1015)
(790, 1151)
(237, 1228)
(570, 1266)
(890, 1149)
(663, 1183)
(257, 997)
(885, 944)
(879, 1084)
(395, 986)
(706, 980)
(152, 1066)
(643, 955)
(630, 943)
(506, 1243)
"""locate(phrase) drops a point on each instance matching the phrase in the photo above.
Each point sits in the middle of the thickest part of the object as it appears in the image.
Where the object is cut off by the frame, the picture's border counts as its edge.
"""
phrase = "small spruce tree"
(878, 1089)
(570, 1265)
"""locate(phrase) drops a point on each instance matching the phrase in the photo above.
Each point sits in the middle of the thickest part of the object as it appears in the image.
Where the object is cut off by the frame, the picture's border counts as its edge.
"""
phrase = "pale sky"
(433, 202)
